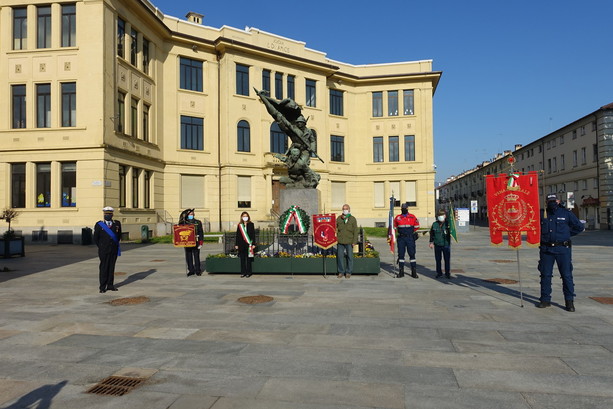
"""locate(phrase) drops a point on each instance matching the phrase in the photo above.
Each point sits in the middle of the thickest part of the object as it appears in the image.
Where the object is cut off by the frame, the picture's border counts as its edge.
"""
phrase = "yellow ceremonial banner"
(184, 235)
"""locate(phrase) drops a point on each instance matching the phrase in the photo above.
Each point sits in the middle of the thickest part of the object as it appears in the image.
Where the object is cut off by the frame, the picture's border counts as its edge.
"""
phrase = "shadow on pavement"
(39, 398)
(136, 277)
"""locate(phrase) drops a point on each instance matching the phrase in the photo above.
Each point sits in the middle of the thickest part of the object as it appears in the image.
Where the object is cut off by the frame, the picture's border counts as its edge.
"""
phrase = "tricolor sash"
(243, 229)
(111, 234)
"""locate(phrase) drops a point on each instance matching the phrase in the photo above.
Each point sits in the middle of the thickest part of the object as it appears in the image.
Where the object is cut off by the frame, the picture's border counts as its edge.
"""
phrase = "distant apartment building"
(574, 162)
(113, 103)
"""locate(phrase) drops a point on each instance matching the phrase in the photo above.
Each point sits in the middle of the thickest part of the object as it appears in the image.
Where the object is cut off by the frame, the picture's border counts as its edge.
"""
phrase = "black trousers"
(246, 262)
(107, 268)
(192, 257)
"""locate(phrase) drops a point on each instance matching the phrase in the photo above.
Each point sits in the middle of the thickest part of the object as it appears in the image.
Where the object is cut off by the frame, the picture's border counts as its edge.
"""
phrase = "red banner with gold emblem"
(513, 207)
(324, 230)
(184, 235)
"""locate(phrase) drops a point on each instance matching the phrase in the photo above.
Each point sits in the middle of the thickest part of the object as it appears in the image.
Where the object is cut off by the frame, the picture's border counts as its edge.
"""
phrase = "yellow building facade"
(113, 103)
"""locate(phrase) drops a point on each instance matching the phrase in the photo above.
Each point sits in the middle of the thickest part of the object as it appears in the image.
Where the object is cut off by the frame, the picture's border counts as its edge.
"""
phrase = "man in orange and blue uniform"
(406, 225)
(557, 227)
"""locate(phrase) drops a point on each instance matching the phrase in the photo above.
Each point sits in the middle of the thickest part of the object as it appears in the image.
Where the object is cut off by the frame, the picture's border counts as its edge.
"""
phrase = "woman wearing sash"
(245, 244)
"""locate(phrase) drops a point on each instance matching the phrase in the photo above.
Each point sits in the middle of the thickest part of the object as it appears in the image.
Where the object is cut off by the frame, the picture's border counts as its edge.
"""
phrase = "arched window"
(243, 134)
(278, 139)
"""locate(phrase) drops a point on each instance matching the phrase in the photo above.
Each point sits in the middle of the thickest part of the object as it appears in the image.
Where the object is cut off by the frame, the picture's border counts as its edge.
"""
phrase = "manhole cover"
(129, 301)
(502, 261)
(255, 299)
(116, 385)
(500, 281)
(603, 300)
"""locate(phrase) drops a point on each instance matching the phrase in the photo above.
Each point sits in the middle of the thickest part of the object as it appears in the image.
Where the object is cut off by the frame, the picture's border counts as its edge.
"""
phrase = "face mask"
(441, 218)
(345, 212)
(245, 218)
(108, 217)
(552, 206)
(404, 211)
(190, 217)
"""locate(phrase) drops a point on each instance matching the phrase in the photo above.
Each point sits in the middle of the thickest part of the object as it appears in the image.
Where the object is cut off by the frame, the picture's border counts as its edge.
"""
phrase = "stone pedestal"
(306, 199)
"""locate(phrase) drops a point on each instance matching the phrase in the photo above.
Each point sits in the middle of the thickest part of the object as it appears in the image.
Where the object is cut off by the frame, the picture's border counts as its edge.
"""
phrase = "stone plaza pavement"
(322, 343)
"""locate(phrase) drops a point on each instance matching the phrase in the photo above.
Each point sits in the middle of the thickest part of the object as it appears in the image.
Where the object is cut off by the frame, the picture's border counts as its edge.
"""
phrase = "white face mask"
(441, 218)
(245, 218)
(345, 211)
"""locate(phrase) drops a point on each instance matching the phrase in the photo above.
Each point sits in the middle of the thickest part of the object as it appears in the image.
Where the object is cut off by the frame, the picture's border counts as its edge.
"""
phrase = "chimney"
(194, 17)
(518, 146)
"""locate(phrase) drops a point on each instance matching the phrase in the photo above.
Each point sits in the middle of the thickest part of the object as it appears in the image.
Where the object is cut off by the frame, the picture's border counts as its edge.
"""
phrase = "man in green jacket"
(347, 237)
(440, 240)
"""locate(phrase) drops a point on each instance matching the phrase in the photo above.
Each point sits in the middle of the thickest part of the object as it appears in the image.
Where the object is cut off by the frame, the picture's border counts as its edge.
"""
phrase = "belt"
(566, 243)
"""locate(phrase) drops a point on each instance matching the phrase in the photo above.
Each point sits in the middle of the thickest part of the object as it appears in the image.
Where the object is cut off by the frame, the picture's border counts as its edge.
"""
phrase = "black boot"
(543, 304)
(400, 272)
(570, 306)
(414, 272)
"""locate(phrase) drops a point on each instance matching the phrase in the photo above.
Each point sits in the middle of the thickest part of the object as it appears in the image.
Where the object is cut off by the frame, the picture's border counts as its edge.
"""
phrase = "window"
(192, 191)
(562, 162)
(190, 74)
(311, 93)
(244, 191)
(595, 183)
(133, 46)
(192, 133)
(147, 189)
(19, 106)
(576, 183)
(594, 153)
(377, 149)
(553, 143)
(43, 27)
(122, 186)
(562, 140)
(548, 165)
(134, 118)
(279, 85)
(379, 194)
(409, 148)
(146, 59)
(243, 137)
(291, 86)
(583, 156)
(69, 104)
(548, 144)
(135, 190)
(69, 184)
(69, 25)
(338, 194)
(393, 149)
(43, 184)
(575, 134)
(594, 126)
(146, 109)
(584, 184)
(377, 104)
(242, 79)
(121, 112)
(555, 164)
(408, 101)
(121, 37)
(574, 158)
(392, 103)
(18, 185)
(410, 191)
(336, 102)
(20, 28)
(337, 148)
(266, 81)
(43, 105)
(278, 139)
(582, 129)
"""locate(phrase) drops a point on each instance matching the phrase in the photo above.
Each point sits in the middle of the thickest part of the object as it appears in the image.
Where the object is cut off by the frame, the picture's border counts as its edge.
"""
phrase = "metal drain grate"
(116, 385)
(603, 300)
(500, 281)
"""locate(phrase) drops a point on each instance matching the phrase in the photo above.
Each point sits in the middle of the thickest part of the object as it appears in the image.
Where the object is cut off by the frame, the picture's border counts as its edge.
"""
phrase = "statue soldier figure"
(304, 141)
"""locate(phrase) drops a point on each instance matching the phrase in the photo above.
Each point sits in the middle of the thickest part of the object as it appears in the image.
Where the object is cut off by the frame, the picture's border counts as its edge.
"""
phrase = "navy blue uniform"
(406, 224)
(557, 227)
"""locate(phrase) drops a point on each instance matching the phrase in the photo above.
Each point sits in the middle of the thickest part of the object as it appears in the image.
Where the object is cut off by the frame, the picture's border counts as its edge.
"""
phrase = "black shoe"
(190, 274)
(198, 274)
(543, 304)
(102, 291)
(570, 306)
(248, 275)
(438, 276)
(243, 275)
(448, 276)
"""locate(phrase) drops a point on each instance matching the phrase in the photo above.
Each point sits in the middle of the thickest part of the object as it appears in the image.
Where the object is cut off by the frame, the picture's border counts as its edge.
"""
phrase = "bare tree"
(8, 215)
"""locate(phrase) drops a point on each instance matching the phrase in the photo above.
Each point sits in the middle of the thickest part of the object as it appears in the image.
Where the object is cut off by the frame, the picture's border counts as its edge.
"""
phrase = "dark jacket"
(558, 226)
(198, 228)
(102, 239)
(440, 234)
(243, 246)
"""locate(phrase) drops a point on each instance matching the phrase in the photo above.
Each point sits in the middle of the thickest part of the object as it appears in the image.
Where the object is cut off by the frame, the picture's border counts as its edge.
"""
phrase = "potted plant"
(10, 243)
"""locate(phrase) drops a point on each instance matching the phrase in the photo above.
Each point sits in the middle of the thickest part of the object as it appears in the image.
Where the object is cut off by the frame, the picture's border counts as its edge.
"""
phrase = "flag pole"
(521, 291)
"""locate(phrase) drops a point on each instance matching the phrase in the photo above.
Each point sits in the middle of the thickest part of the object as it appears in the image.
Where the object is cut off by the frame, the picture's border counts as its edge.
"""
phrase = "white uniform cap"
(108, 209)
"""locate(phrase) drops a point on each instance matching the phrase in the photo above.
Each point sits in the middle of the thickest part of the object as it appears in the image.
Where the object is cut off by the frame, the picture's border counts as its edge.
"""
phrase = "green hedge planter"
(290, 265)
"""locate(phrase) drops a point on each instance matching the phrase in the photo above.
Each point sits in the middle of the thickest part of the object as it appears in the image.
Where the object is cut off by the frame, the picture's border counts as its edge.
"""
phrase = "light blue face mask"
(190, 217)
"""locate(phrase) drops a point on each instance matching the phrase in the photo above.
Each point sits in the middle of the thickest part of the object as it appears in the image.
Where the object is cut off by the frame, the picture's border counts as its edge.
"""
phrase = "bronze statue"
(304, 141)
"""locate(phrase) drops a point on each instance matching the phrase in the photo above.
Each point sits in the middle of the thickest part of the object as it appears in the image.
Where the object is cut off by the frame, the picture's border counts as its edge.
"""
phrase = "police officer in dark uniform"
(557, 227)
(192, 254)
(107, 234)
(406, 225)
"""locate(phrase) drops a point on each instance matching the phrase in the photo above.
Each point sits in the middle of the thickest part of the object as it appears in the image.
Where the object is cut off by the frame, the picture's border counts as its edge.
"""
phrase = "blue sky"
(512, 71)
